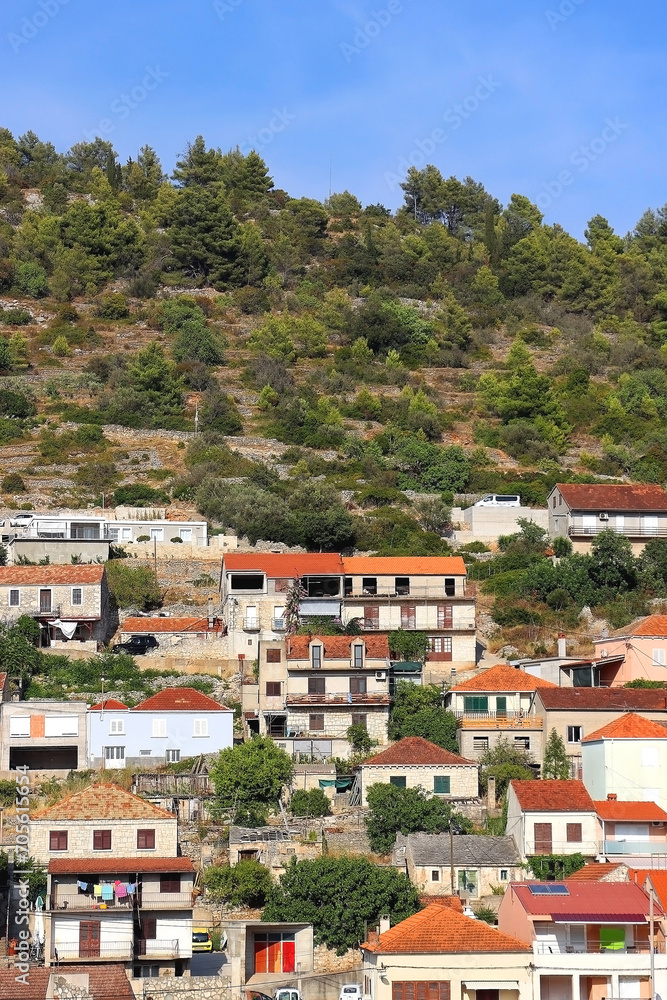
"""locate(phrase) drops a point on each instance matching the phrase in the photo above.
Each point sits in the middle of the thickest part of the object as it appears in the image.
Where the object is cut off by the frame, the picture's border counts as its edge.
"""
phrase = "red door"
(289, 958)
(261, 953)
(89, 939)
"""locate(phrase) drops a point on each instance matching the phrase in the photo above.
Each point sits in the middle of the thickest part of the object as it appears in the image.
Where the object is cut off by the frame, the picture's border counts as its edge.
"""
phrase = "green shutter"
(398, 781)
(441, 784)
(475, 703)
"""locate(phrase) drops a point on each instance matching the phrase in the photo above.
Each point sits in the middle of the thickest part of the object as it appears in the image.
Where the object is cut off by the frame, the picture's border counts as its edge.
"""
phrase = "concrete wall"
(466, 740)
(58, 551)
(33, 715)
(464, 782)
(633, 769)
(485, 524)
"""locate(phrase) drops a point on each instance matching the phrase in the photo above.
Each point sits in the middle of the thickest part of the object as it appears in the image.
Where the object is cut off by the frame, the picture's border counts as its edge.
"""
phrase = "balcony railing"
(499, 720)
(411, 625)
(586, 847)
(640, 531)
(635, 847)
(430, 593)
(147, 900)
(278, 625)
(556, 948)
(251, 625)
(109, 951)
(337, 699)
(154, 948)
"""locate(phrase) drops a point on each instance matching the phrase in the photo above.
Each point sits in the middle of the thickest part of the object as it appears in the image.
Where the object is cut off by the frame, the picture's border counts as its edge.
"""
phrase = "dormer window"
(358, 656)
(316, 657)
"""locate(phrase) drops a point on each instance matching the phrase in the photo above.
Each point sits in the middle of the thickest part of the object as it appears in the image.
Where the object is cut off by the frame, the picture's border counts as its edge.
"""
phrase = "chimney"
(491, 793)
(385, 923)
(562, 646)
(210, 612)
(612, 797)
(372, 937)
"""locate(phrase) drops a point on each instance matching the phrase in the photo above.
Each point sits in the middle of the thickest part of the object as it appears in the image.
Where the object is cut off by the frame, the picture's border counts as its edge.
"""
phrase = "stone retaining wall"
(183, 988)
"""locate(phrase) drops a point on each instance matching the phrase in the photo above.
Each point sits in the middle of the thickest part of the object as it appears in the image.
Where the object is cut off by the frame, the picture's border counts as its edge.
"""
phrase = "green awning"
(406, 667)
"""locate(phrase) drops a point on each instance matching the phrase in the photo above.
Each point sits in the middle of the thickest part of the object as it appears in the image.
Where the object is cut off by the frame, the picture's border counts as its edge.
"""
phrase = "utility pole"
(451, 857)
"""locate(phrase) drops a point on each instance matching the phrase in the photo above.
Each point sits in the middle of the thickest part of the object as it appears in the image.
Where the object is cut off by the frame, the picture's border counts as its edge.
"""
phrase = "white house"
(169, 726)
(627, 757)
(552, 817)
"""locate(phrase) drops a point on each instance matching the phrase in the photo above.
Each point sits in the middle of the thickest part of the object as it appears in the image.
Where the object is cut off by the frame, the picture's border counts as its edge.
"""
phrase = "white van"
(499, 500)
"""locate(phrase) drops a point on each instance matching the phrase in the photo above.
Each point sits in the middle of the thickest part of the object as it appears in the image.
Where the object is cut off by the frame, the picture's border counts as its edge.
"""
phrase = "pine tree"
(556, 763)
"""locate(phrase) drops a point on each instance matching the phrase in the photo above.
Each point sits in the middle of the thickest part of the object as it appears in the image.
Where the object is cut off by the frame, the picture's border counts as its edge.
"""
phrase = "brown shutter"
(371, 616)
(543, 838)
(574, 833)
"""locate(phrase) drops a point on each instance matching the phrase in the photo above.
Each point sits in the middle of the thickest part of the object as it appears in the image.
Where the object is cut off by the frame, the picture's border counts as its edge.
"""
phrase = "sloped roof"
(440, 929)
(595, 871)
(629, 727)
(553, 796)
(104, 981)
(415, 750)
(630, 812)
(102, 801)
(337, 647)
(109, 704)
(658, 879)
(469, 849)
(652, 625)
(624, 497)
(179, 699)
(162, 624)
(405, 565)
(603, 699)
(50, 575)
(586, 900)
(121, 866)
(284, 564)
(503, 678)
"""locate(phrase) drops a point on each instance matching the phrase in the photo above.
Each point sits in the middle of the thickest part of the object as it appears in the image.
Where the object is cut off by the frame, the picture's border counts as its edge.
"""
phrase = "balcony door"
(89, 939)
(45, 601)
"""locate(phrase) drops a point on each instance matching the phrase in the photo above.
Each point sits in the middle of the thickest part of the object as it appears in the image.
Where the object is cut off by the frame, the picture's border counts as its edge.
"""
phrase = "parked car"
(21, 520)
(351, 991)
(201, 939)
(136, 645)
(499, 500)
(287, 993)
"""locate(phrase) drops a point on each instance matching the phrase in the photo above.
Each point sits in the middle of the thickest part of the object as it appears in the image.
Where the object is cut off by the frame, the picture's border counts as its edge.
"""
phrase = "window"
(402, 585)
(357, 685)
(159, 727)
(369, 585)
(114, 534)
(246, 581)
(114, 753)
(475, 703)
(316, 657)
(101, 840)
(573, 833)
(435, 875)
(358, 656)
(200, 727)
(15, 598)
(408, 616)
(316, 723)
(501, 705)
(468, 881)
(77, 596)
(58, 840)
(480, 742)
(127, 534)
(420, 990)
(171, 756)
(170, 883)
(441, 784)
(659, 657)
(450, 586)
(116, 727)
(650, 757)
(279, 616)
(398, 780)
(281, 586)
(185, 534)
(522, 742)
(273, 656)
(156, 534)
(371, 616)
(445, 616)
(145, 840)
(575, 734)
(359, 719)
(61, 725)
(440, 647)
(273, 689)
(147, 753)
(316, 685)
(504, 874)
(19, 725)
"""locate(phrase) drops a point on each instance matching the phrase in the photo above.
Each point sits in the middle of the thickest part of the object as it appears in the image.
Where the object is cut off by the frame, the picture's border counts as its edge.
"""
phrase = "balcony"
(401, 594)
(557, 948)
(499, 720)
(278, 625)
(103, 951)
(147, 900)
(250, 625)
(337, 699)
(154, 948)
(585, 847)
(635, 847)
(640, 531)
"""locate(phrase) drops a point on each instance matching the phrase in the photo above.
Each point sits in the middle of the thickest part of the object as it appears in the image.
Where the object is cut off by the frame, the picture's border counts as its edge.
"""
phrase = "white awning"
(324, 608)
(491, 984)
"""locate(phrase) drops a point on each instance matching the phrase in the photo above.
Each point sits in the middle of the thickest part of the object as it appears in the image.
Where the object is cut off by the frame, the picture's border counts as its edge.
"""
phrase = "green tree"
(249, 779)
(418, 711)
(408, 645)
(205, 237)
(339, 896)
(247, 883)
(219, 412)
(197, 342)
(407, 810)
(504, 762)
(613, 566)
(18, 653)
(309, 803)
(359, 738)
(556, 763)
(133, 586)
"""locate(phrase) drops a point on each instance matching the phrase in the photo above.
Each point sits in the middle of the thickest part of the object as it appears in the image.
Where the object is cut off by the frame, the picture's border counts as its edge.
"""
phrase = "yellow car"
(201, 939)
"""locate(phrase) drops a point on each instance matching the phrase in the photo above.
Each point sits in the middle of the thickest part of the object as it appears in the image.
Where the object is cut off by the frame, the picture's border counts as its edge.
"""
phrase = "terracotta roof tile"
(625, 497)
(595, 871)
(587, 900)
(102, 801)
(285, 565)
(104, 981)
(603, 699)
(629, 727)
(415, 750)
(653, 625)
(440, 929)
(630, 812)
(658, 881)
(405, 565)
(102, 866)
(110, 704)
(337, 647)
(49, 575)
(160, 624)
(503, 678)
(179, 699)
(553, 796)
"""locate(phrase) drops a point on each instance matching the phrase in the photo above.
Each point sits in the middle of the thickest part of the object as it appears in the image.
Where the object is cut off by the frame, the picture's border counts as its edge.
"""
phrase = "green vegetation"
(556, 763)
(418, 711)
(407, 810)
(248, 780)
(309, 803)
(554, 867)
(245, 884)
(504, 762)
(133, 586)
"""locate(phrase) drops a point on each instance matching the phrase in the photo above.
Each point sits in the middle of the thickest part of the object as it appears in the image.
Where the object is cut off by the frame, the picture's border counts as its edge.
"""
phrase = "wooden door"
(45, 601)
(543, 838)
(89, 939)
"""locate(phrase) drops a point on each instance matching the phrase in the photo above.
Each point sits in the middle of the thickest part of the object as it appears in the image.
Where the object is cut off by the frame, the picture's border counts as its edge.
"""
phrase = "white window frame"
(145, 753)
(650, 757)
(66, 720)
(76, 604)
(114, 753)
(658, 657)
(126, 534)
(14, 590)
(19, 726)
(503, 874)
(199, 728)
(157, 534)
(116, 727)
(581, 735)
(39, 600)
(172, 756)
(114, 534)
(185, 534)
(159, 729)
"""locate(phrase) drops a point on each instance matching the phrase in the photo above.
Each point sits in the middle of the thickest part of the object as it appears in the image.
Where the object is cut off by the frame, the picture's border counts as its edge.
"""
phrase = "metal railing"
(499, 720)
(105, 950)
(251, 625)
(431, 593)
(635, 846)
(155, 948)
(540, 847)
(641, 531)
(337, 699)
(146, 900)
(278, 625)
(556, 948)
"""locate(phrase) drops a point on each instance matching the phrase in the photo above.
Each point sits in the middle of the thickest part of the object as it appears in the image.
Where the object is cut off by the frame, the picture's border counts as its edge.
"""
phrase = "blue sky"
(560, 100)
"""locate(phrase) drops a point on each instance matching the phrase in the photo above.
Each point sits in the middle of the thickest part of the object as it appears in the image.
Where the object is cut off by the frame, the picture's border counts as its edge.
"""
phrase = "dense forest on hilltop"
(456, 346)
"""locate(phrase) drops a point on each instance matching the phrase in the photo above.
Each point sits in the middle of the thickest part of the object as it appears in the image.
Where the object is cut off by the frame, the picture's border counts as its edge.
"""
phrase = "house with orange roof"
(442, 954)
(414, 762)
(498, 704)
(117, 890)
(174, 724)
(627, 758)
(580, 512)
(634, 832)
(200, 635)
(638, 651)
(552, 817)
(589, 940)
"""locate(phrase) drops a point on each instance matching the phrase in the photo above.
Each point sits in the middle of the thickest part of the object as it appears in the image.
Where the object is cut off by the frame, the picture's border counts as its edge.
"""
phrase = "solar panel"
(559, 890)
(549, 889)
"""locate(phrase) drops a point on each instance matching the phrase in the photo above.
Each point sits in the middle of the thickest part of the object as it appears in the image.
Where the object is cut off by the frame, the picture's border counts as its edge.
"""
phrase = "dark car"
(136, 645)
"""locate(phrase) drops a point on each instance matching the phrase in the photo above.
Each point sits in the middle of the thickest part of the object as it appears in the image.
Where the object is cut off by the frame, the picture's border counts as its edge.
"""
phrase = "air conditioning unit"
(603, 516)
(380, 675)
(657, 823)
(603, 653)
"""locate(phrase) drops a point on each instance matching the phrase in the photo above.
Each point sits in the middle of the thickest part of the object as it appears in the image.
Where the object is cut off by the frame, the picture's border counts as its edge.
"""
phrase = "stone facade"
(201, 988)
(463, 778)
(123, 837)
(70, 602)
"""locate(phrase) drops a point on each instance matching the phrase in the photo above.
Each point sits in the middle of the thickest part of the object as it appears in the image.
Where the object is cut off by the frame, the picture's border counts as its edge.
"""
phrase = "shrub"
(133, 586)
(30, 278)
(309, 803)
(15, 317)
(138, 495)
(176, 538)
(13, 483)
(113, 306)
(61, 347)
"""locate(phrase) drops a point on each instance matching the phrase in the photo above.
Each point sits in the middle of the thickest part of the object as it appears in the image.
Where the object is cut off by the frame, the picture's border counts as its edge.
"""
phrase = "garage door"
(46, 759)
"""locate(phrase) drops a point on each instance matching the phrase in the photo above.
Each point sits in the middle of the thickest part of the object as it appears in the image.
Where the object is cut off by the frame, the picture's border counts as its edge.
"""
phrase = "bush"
(310, 803)
(133, 586)
(15, 317)
(138, 495)
(13, 483)
(246, 884)
(61, 347)
(113, 306)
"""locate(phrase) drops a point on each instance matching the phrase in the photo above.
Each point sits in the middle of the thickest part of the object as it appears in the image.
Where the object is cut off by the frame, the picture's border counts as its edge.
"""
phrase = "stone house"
(46, 735)
(88, 982)
(200, 636)
(477, 864)
(552, 817)
(71, 603)
(414, 762)
(580, 512)
(117, 891)
(272, 846)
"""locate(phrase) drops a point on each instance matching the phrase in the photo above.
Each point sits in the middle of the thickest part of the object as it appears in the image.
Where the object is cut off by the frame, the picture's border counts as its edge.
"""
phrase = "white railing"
(108, 950)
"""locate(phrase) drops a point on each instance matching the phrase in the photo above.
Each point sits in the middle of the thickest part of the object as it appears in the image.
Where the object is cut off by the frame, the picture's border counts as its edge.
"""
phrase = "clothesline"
(106, 890)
